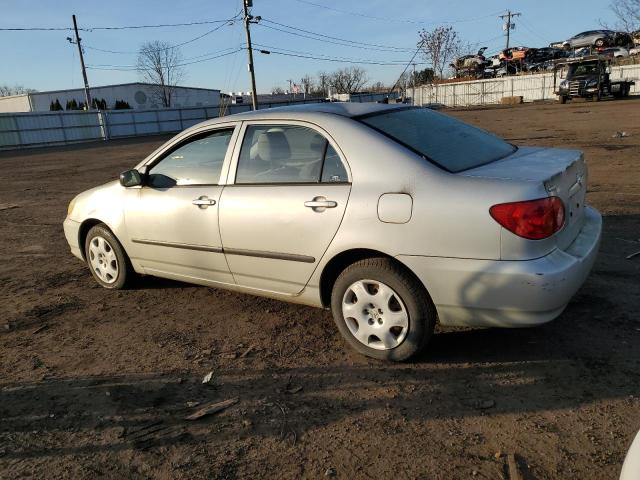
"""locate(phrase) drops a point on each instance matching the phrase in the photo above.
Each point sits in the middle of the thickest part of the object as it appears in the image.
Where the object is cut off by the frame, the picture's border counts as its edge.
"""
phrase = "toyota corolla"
(394, 217)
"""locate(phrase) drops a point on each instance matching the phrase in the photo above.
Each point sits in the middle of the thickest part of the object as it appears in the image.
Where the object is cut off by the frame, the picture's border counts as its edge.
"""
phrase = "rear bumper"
(71, 233)
(469, 292)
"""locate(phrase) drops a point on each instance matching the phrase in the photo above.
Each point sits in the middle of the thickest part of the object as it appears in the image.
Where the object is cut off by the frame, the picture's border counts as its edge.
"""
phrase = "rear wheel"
(562, 99)
(382, 310)
(106, 258)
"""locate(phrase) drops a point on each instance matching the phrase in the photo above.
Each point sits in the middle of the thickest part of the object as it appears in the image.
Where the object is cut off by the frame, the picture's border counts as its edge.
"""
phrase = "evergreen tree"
(57, 105)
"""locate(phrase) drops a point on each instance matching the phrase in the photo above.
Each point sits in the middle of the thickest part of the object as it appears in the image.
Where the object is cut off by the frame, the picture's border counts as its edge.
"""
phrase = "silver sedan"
(393, 217)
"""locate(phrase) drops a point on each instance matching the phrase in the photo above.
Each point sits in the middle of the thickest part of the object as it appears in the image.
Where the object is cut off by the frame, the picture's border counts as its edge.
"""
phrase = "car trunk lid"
(563, 173)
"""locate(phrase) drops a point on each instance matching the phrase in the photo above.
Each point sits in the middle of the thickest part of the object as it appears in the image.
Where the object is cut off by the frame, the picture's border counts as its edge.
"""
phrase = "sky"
(45, 60)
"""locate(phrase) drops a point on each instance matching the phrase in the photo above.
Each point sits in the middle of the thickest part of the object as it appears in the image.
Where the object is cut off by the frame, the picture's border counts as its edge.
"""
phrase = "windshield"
(445, 141)
(583, 70)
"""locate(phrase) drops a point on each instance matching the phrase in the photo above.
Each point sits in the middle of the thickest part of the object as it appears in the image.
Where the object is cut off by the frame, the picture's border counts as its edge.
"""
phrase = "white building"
(139, 96)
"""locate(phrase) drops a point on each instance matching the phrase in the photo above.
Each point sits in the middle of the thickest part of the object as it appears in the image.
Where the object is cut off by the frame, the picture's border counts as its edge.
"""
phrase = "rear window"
(449, 143)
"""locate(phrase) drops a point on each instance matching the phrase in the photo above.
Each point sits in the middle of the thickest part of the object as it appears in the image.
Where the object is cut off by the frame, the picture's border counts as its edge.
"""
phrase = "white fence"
(18, 130)
(491, 91)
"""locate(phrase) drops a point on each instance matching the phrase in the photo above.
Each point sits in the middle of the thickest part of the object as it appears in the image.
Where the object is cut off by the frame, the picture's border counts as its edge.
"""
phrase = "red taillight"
(533, 219)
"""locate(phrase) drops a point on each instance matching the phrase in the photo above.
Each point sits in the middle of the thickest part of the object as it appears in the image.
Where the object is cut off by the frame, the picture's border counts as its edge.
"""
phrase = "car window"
(333, 170)
(284, 154)
(445, 141)
(196, 162)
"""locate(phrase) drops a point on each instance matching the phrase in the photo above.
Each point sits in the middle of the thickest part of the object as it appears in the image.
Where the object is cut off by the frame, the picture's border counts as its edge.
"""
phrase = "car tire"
(385, 335)
(106, 259)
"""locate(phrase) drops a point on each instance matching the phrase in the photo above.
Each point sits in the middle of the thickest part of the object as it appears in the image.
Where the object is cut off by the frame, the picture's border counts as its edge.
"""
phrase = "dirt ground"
(96, 383)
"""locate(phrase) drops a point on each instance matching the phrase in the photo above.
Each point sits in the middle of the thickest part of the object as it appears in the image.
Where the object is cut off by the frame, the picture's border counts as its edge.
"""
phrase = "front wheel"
(106, 258)
(382, 310)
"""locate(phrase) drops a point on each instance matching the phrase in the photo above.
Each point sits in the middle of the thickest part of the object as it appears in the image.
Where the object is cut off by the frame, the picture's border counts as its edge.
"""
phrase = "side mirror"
(130, 178)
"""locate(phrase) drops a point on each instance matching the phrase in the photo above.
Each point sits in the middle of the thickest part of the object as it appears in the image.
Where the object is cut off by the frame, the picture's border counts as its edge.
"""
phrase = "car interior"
(288, 154)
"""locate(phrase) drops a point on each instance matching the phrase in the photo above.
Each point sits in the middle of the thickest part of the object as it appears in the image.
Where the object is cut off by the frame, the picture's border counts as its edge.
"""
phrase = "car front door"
(173, 222)
(286, 196)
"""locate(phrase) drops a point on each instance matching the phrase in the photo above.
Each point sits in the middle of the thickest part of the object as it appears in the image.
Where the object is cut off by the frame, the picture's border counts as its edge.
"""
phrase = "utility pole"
(87, 94)
(247, 20)
(413, 84)
(509, 25)
(291, 89)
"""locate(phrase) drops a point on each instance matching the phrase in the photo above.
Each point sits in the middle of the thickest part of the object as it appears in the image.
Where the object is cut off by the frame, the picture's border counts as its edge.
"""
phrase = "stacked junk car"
(521, 59)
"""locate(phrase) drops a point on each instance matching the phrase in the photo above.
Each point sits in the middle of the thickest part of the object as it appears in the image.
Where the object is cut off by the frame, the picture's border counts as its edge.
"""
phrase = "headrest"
(271, 145)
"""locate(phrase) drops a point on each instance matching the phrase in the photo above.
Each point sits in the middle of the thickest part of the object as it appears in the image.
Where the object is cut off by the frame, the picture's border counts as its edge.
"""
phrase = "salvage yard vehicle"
(599, 39)
(393, 217)
(615, 52)
(513, 53)
(471, 65)
(588, 77)
(591, 38)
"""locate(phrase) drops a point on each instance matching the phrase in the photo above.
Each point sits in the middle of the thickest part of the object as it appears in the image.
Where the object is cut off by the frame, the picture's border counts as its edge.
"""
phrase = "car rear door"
(173, 222)
(286, 195)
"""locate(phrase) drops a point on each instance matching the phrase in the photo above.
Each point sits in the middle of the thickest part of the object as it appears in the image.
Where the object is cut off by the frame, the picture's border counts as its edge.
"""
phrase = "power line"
(133, 68)
(125, 27)
(391, 19)
(161, 25)
(207, 54)
(526, 26)
(129, 52)
(336, 58)
(334, 40)
(35, 29)
(408, 63)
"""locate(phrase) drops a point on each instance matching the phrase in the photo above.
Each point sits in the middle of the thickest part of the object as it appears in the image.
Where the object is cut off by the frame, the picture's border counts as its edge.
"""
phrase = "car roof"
(345, 109)
(305, 112)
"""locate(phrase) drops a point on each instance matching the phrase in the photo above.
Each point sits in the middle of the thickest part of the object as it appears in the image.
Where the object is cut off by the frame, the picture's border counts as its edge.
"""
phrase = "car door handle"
(320, 203)
(203, 202)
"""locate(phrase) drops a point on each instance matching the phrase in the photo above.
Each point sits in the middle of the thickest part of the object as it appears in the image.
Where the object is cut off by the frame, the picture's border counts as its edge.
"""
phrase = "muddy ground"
(96, 383)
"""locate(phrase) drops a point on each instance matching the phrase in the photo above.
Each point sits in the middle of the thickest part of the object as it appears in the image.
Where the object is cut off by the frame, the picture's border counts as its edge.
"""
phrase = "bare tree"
(628, 14)
(7, 90)
(348, 80)
(277, 91)
(159, 64)
(307, 83)
(378, 87)
(322, 86)
(439, 46)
